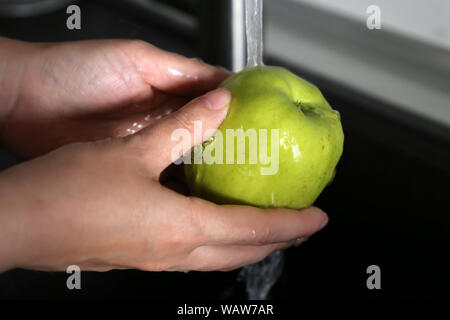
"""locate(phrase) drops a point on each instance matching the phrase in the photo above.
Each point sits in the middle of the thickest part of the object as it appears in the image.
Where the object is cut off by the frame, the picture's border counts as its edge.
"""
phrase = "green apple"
(296, 119)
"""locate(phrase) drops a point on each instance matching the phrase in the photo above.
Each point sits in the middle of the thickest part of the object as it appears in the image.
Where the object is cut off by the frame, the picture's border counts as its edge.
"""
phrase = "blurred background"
(389, 203)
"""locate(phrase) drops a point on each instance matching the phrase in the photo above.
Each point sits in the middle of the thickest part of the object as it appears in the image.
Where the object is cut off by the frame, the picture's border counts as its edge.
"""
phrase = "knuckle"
(182, 242)
(134, 44)
(204, 267)
(267, 235)
(195, 214)
(135, 147)
(178, 240)
(187, 232)
(196, 60)
(184, 120)
(155, 267)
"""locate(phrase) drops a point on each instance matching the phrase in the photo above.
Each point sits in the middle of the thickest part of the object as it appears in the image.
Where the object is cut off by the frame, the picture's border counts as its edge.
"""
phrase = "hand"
(90, 90)
(100, 205)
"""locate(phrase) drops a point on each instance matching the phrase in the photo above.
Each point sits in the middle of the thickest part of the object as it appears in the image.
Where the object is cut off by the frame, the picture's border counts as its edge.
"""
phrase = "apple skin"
(310, 142)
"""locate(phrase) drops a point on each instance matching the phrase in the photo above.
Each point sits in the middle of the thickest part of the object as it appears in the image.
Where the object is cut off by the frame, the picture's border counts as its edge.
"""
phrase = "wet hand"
(89, 90)
(101, 206)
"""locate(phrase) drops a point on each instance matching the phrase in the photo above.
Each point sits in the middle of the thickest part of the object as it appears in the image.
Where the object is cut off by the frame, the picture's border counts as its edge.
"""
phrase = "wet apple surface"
(289, 137)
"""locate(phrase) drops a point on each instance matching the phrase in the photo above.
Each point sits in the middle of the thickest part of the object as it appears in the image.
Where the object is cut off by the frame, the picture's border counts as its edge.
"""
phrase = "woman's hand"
(55, 94)
(100, 205)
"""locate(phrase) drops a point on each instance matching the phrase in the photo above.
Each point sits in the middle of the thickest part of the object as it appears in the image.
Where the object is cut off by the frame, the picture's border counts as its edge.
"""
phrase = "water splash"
(260, 277)
(254, 32)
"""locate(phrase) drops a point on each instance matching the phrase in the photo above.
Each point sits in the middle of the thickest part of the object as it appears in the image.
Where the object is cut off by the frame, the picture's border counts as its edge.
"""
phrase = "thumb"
(171, 137)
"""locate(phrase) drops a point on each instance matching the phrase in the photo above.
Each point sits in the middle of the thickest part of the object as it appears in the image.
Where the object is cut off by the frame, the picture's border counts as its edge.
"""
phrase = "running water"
(259, 277)
(254, 32)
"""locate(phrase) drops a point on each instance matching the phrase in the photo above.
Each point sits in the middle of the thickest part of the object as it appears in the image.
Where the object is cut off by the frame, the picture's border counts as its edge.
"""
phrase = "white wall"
(428, 20)
(408, 74)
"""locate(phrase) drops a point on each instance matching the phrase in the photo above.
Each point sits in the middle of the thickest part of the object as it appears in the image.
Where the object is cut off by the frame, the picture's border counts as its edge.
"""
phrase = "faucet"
(222, 31)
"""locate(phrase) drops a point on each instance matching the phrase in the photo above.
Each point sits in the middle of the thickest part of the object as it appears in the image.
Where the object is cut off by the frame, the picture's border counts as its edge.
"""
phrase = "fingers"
(243, 225)
(173, 73)
(173, 136)
(226, 258)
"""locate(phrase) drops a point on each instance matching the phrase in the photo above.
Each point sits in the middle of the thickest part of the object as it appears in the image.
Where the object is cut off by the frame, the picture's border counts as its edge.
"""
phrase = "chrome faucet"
(222, 28)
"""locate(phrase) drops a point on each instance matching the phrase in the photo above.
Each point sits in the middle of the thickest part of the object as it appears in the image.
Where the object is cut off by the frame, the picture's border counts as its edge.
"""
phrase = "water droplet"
(174, 72)
(178, 73)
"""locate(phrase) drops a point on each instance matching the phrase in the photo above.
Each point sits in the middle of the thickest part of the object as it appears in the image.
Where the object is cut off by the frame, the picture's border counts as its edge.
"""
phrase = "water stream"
(260, 277)
(254, 32)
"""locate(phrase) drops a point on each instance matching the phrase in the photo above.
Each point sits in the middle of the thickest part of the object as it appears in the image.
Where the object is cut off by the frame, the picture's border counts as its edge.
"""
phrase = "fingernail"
(218, 99)
(324, 222)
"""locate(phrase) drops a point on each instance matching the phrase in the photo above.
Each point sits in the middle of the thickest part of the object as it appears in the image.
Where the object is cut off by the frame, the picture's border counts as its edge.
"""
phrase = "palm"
(93, 90)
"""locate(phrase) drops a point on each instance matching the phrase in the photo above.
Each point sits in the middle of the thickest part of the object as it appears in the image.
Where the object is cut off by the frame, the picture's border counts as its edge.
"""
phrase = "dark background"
(388, 205)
